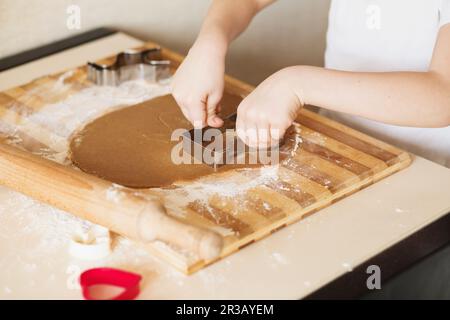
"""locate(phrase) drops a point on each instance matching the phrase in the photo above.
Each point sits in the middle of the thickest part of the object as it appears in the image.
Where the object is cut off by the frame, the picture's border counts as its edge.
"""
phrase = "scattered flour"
(53, 227)
(64, 117)
(114, 193)
(317, 138)
(40, 231)
(232, 188)
(55, 122)
(279, 258)
(53, 125)
(297, 140)
(202, 189)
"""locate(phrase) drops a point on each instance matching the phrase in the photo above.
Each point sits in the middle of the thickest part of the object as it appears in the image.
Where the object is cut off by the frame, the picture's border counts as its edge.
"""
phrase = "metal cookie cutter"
(197, 141)
(130, 65)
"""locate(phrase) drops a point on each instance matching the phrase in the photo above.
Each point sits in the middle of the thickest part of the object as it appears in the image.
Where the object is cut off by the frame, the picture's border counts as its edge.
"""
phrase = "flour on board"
(54, 124)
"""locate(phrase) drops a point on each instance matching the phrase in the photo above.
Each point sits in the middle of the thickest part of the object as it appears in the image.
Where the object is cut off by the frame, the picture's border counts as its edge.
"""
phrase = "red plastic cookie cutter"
(109, 276)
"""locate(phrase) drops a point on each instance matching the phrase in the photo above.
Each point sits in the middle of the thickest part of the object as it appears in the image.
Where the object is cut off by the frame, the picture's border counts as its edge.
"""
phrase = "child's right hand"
(198, 85)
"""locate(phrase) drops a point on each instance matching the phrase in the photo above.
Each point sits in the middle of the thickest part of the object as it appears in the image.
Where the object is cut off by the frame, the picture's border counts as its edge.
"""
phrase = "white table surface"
(289, 264)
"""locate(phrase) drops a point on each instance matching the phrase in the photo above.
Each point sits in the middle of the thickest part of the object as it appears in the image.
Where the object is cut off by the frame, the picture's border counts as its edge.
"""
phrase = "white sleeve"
(444, 12)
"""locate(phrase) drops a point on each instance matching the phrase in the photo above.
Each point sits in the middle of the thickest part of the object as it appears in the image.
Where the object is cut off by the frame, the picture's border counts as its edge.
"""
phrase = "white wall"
(288, 32)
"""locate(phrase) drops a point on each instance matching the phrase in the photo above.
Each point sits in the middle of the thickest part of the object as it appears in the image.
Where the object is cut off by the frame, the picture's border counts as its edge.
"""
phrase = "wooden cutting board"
(333, 162)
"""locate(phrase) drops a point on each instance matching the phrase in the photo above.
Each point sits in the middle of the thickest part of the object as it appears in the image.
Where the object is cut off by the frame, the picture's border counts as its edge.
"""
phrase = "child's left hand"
(265, 114)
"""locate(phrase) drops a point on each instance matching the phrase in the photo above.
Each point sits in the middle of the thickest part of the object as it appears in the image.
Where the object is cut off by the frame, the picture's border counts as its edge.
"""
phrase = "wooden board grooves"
(347, 139)
(336, 158)
(278, 228)
(5, 100)
(303, 198)
(221, 218)
(263, 208)
(246, 244)
(9, 103)
(329, 182)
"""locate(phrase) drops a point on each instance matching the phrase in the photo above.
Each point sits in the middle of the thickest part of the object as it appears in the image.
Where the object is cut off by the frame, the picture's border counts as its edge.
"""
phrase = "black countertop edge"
(54, 47)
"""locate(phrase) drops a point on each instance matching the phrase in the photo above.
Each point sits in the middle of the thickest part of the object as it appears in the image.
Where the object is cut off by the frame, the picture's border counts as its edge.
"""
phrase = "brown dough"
(132, 146)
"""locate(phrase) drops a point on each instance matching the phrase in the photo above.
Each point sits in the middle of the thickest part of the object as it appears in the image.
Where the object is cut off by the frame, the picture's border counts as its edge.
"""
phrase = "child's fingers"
(211, 108)
(214, 121)
(263, 135)
(277, 130)
(251, 132)
(246, 122)
(273, 136)
(240, 129)
(197, 114)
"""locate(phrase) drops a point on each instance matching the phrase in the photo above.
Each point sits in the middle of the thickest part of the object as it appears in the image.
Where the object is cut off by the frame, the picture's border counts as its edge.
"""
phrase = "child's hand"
(266, 113)
(198, 85)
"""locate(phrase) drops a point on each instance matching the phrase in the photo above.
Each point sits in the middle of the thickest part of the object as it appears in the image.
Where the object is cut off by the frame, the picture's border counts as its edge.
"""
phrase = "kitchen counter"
(392, 224)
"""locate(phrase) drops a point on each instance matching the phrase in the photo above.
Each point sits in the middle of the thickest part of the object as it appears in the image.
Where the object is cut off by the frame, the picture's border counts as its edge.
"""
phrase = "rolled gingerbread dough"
(132, 146)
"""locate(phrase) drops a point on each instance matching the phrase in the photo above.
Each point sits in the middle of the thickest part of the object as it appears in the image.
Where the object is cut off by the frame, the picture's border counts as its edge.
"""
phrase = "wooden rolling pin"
(87, 197)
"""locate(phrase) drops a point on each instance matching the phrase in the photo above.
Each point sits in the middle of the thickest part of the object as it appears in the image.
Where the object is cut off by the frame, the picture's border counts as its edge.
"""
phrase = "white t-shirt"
(382, 36)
